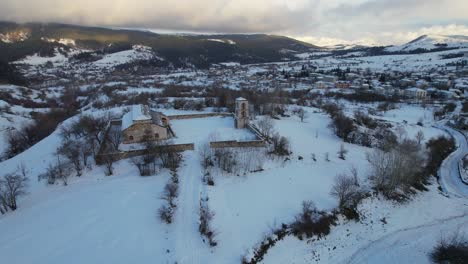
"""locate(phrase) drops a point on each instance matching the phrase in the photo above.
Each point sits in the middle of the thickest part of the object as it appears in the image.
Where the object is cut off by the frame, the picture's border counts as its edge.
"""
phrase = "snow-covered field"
(98, 219)
(387, 233)
(201, 130)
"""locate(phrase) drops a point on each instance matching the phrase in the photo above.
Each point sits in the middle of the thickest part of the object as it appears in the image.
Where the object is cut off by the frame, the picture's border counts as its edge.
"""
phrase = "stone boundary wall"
(256, 132)
(191, 116)
(238, 144)
(133, 153)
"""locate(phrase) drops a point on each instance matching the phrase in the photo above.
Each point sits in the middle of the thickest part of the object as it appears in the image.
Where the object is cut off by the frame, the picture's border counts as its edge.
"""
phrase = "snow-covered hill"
(432, 42)
(137, 53)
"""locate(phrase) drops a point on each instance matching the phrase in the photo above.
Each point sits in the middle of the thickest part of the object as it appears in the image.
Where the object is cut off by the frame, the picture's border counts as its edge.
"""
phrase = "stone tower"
(242, 112)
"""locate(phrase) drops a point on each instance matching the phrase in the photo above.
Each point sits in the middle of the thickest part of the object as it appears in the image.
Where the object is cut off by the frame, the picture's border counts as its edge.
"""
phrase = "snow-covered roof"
(241, 99)
(137, 113)
(414, 89)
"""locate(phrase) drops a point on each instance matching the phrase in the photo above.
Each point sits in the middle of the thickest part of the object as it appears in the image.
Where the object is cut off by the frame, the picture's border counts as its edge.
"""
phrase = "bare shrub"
(145, 164)
(170, 193)
(312, 222)
(250, 159)
(205, 228)
(108, 160)
(365, 120)
(171, 190)
(75, 152)
(226, 159)
(396, 170)
(343, 126)
(420, 137)
(347, 191)
(342, 152)
(206, 155)
(280, 145)
(266, 126)
(169, 157)
(438, 149)
(12, 186)
(450, 249)
(166, 214)
(58, 171)
(301, 113)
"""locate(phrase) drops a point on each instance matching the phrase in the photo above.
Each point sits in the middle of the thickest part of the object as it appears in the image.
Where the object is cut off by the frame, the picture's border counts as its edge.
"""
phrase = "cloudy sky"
(321, 22)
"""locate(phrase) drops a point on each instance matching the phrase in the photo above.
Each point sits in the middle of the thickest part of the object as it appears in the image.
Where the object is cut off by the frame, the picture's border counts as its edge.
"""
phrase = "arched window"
(156, 135)
(243, 106)
(130, 137)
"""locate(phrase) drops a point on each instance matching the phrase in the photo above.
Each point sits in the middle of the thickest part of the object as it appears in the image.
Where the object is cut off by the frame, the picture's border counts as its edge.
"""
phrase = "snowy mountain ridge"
(432, 42)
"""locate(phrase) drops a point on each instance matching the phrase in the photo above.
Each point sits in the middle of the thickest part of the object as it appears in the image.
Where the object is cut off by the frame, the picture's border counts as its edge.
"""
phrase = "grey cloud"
(197, 15)
(339, 19)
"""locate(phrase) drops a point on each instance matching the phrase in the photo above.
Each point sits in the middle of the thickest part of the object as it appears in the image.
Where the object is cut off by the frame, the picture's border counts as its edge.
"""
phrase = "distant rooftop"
(241, 99)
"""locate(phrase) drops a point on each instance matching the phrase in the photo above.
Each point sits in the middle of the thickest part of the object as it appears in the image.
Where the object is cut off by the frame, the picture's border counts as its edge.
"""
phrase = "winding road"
(449, 175)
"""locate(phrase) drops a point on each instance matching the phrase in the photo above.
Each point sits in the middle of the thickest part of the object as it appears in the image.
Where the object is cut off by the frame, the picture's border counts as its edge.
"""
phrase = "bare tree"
(281, 145)
(226, 159)
(420, 137)
(169, 157)
(206, 155)
(114, 138)
(301, 113)
(401, 132)
(266, 126)
(396, 169)
(108, 163)
(22, 169)
(12, 186)
(342, 152)
(354, 174)
(344, 189)
(72, 150)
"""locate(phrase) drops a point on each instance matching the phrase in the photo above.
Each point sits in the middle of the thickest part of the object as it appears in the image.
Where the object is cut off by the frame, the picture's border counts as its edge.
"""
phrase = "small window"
(156, 135)
(130, 137)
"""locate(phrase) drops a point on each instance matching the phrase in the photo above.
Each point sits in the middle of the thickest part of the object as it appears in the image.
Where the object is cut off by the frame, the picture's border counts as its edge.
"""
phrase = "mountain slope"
(431, 43)
(19, 40)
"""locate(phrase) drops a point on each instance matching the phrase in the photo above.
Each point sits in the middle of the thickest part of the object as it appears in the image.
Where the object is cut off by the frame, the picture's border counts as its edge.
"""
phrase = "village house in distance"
(141, 124)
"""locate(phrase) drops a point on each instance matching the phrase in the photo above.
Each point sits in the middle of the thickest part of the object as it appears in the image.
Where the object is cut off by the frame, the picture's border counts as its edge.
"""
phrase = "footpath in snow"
(189, 246)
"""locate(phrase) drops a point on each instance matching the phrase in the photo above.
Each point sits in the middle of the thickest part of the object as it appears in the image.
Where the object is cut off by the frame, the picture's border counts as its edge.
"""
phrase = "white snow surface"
(225, 41)
(409, 234)
(98, 219)
(138, 52)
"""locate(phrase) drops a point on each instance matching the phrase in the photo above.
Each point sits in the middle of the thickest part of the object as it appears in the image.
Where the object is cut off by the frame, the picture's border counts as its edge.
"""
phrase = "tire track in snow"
(188, 240)
(361, 254)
